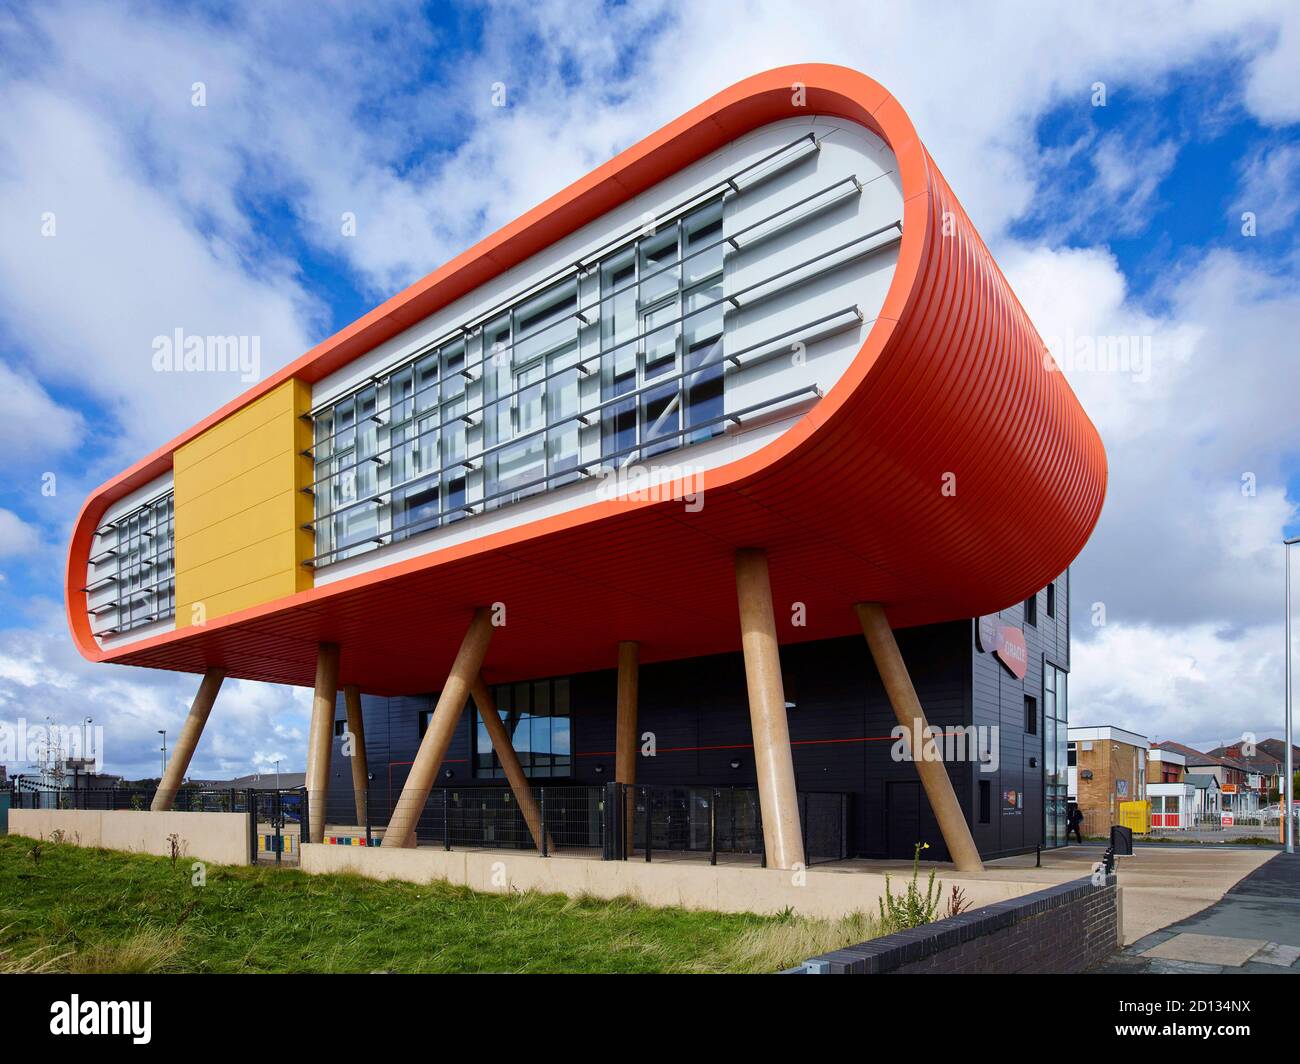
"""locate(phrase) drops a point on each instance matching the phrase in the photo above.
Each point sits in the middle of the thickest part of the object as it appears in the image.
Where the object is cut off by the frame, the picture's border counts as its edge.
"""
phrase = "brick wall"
(1110, 762)
(1067, 928)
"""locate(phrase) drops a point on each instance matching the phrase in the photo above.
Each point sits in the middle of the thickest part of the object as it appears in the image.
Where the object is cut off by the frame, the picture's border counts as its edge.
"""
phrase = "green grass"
(87, 910)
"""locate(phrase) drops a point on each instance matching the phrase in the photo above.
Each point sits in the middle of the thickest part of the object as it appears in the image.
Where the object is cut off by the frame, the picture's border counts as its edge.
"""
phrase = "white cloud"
(1196, 498)
(16, 535)
(32, 425)
(1168, 682)
(124, 266)
(1268, 188)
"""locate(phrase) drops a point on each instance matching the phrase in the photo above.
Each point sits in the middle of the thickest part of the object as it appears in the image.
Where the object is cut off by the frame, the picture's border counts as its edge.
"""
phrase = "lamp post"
(1289, 782)
(163, 733)
(277, 773)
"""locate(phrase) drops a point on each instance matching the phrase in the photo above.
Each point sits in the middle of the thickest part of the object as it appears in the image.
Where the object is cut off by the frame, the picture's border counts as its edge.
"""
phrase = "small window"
(340, 726)
(1031, 715)
(1072, 756)
(425, 716)
(986, 795)
(1031, 609)
(1051, 599)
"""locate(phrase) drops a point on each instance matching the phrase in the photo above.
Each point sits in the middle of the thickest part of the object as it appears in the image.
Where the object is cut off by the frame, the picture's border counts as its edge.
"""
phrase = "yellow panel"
(273, 405)
(250, 488)
(240, 507)
(258, 560)
(250, 526)
(273, 439)
(281, 585)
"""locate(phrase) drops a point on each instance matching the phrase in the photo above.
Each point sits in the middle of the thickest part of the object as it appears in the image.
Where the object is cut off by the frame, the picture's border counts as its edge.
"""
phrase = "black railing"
(187, 799)
(615, 821)
(718, 820)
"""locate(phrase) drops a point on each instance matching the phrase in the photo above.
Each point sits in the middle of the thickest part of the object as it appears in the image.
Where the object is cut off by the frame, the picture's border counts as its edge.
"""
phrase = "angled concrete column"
(625, 744)
(183, 751)
(505, 751)
(907, 708)
(360, 768)
(320, 741)
(782, 835)
(442, 725)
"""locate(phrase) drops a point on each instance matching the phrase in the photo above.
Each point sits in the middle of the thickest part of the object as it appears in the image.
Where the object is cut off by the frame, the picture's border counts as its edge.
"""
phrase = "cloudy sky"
(1135, 169)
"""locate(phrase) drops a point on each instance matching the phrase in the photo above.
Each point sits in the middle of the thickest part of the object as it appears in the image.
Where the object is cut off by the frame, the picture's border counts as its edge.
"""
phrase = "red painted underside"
(849, 503)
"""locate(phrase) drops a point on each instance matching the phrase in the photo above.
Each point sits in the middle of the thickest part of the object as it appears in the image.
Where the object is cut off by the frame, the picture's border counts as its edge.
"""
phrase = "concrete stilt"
(907, 708)
(183, 751)
(626, 744)
(360, 767)
(778, 799)
(442, 725)
(320, 740)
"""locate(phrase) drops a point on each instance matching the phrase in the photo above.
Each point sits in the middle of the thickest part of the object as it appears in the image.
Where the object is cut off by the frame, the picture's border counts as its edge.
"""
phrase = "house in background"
(1232, 776)
(1208, 799)
(1165, 766)
(1107, 766)
(1265, 771)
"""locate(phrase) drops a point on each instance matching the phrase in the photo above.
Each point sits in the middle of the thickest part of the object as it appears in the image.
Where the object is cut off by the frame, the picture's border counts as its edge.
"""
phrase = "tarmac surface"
(1253, 929)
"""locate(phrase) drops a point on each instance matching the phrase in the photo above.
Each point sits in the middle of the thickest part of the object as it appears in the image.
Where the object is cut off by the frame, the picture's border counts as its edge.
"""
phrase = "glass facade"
(132, 570)
(1055, 752)
(494, 415)
(537, 719)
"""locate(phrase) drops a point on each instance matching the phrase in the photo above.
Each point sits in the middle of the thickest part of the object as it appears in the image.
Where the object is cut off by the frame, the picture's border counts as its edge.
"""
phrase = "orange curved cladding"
(951, 388)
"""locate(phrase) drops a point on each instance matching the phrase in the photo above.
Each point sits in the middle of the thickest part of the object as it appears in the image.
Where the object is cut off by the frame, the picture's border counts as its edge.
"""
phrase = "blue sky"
(1115, 220)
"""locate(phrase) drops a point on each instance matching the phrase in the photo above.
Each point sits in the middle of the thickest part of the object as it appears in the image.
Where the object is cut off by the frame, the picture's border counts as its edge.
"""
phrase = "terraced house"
(642, 523)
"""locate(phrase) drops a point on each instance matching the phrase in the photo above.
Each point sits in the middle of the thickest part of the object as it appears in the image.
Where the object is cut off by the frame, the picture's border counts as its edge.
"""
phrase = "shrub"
(911, 908)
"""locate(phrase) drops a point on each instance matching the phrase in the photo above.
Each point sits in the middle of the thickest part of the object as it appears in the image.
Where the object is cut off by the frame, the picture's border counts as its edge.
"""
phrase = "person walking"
(1073, 823)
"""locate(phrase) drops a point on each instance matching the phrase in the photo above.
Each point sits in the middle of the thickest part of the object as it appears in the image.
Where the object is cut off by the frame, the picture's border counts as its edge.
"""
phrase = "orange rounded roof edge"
(736, 110)
(943, 292)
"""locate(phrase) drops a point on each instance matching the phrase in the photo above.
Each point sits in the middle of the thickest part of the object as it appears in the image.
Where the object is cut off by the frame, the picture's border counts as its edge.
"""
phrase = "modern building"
(1106, 767)
(633, 478)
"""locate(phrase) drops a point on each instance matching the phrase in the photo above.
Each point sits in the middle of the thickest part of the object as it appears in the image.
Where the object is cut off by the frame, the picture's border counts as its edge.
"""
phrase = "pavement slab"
(1276, 953)
(1207, 949)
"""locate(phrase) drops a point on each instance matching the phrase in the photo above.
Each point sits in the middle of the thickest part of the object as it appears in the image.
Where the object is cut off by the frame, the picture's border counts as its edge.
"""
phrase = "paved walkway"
(1254, 928)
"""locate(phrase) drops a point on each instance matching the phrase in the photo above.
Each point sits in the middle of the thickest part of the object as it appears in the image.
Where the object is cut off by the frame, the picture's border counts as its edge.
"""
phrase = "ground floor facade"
(695, 754)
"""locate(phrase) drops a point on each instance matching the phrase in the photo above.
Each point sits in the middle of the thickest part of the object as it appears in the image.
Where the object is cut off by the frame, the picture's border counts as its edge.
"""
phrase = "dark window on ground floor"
(536, 716)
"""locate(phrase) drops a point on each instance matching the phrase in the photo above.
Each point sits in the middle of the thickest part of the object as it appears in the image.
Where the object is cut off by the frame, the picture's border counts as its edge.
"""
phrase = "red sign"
(1005, 643)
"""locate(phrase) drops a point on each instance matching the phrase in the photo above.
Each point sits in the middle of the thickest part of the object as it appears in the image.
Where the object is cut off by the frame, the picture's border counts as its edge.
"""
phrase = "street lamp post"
(1289, 782)
(163, 733)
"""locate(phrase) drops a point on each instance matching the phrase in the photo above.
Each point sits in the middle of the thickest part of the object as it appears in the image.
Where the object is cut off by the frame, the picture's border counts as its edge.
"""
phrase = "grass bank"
(83, 910)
